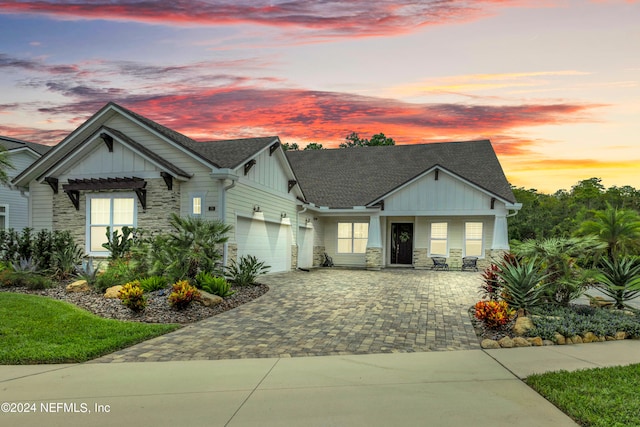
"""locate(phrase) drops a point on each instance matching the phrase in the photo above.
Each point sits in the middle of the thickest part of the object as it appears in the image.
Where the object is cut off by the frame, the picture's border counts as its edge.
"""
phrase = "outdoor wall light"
(256, 208)
(283, 215)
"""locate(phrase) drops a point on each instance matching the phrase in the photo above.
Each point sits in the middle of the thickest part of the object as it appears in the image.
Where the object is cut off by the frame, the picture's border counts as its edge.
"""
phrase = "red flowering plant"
(182, 293)
(494, 314)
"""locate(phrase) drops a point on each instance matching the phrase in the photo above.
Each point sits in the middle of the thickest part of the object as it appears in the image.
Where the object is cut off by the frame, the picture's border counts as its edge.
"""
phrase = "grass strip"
(594, 397)
(36, 329)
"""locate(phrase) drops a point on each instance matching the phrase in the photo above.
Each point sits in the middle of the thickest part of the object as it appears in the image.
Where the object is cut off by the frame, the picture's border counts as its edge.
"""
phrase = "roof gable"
(13, 144)
(343, 178)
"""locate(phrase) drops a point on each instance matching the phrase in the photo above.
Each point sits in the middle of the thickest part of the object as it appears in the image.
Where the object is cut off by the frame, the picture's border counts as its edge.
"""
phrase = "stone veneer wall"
(318, 256)
(421, 258)
(160, 204)
(294, 257)
(232, 253)
(373, 258)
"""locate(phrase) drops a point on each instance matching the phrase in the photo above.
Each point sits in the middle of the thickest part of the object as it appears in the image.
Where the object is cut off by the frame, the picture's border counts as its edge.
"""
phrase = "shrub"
(522, 284)
(153, 283)
(37, 282)
(132, 296)
(494, 314)
(10, 277)
(117, 273)
(88, 272)
(119, 244)
(214, 285)
(620, 279)
(182, 294)
(491, 286)
(65, 262)
(247, 270)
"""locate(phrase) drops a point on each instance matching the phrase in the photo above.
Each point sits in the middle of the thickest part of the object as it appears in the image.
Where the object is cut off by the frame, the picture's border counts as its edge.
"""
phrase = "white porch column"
(500, 233)
(374, 244)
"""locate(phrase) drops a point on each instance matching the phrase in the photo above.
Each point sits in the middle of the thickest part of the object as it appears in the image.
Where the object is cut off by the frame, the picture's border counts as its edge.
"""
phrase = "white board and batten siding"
(448, 195)
(330, 226)
(41, 206)
(15, 203)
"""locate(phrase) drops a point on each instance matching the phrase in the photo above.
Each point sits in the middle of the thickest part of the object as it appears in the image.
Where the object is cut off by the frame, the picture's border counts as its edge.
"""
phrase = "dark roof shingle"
(15, 144)
(343, 178)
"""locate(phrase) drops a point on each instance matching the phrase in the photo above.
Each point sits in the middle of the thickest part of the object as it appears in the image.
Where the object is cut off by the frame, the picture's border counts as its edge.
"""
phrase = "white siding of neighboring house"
(16, 202)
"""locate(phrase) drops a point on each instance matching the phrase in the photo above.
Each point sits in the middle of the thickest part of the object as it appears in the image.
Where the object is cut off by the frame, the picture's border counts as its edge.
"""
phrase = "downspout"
(222, 175)
(298, 232)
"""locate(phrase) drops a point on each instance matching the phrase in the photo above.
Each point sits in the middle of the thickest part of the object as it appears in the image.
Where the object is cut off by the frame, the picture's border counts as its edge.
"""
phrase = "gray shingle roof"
(231, 153)
(15, 144)
(343, 178)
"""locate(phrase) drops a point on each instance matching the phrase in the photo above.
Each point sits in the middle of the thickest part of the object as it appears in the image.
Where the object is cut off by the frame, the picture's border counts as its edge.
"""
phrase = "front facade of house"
(14, 204)
(287, 209)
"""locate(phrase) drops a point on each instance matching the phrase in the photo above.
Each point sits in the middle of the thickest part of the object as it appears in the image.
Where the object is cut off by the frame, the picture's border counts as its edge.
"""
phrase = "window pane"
(3, 225)
(473, 230)
(344, 230)
(439, 230)
(197, 205)
(473, 248)
(98, 237)
(438, 247)
(344, 245)
(3, 209)
(361, 230)
(123, 211)
(100, 211)
(359, 246)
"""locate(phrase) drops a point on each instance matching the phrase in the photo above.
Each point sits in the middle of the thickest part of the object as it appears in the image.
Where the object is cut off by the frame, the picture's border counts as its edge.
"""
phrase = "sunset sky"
(555, 84)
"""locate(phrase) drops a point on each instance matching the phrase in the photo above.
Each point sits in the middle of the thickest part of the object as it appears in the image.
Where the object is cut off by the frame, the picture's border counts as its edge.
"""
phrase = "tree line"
(561, 214)
(351, 141)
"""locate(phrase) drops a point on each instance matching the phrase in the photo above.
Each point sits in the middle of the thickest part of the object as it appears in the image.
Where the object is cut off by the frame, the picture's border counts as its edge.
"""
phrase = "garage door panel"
(269, 242)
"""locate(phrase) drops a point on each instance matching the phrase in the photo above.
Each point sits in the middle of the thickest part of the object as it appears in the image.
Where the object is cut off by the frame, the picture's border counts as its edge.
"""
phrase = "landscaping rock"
(600, 302)
(535, 341)
(621, 335)
(548, 342)
(601, 338)
(576, 339)
(78, 286)
(209, 300)
(506, 342)
(521, 342)
(589, 337)
(522, 325)
(113, 291)
(559, 339)
(610, 338)
(489, 344)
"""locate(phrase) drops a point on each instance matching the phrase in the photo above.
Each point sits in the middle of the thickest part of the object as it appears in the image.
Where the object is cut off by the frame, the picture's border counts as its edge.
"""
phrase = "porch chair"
(469, 263)
(439, 263)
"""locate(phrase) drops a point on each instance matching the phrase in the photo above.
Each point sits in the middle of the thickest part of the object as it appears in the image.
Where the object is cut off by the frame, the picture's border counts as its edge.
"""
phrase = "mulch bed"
(158, 309)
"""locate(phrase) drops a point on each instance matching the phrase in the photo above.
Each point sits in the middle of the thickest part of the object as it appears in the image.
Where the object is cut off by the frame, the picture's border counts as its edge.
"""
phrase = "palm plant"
(618, 228)
(522, 284)
(620, 279)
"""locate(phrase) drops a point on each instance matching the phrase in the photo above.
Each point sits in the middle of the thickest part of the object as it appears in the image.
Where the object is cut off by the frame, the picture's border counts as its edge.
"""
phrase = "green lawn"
(35, 329)
(595, 397)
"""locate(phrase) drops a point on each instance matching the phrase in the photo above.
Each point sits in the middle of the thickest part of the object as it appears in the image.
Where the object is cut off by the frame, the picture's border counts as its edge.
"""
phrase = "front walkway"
(330, 312)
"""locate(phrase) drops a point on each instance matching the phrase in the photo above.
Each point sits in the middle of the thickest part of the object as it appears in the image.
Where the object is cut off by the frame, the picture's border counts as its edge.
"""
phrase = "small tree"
(353, 140)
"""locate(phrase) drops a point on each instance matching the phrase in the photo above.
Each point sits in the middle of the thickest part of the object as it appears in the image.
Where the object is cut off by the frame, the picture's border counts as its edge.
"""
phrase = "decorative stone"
(113, 291)
(535, 341)
(547, 342)
(209, 300)
(506, 342)
(600, 302)
(78, 286)
(521, 342)
(620, 335)
(589, 337)
(576, 339)
(559, 339)
(610, 338)
(601, 338)
(522, 325)
(489, 344)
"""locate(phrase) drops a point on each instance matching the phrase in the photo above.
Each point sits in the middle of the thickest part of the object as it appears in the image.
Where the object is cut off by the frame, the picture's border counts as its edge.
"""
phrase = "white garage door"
(305, 247)
(268, 241)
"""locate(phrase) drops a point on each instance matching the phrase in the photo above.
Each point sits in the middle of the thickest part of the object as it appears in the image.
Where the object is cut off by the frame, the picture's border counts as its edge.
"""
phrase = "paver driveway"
(330, 312)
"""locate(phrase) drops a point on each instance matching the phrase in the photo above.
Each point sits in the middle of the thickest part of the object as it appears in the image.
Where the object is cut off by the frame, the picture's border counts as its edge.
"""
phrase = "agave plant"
(522, 284)
(620, 279)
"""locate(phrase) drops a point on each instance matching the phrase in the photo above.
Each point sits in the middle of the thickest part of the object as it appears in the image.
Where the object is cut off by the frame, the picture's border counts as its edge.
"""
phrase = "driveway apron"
(330, 312)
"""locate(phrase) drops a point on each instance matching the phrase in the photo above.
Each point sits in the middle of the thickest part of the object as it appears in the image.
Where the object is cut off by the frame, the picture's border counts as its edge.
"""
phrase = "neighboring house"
(13, 202)
(368, 207)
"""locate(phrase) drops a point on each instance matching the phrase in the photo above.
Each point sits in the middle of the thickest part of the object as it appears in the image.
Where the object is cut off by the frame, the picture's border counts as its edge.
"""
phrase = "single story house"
(372, 207)
(14, 204)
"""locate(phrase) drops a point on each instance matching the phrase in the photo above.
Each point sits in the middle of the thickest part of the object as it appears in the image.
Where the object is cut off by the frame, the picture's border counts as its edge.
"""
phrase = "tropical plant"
(119, 244)
(117, 272)
(132, 296)
(491, 285)
(522, 284)
(87, 271)
(65, 261)
(153, 283)
(193, 245)
(620, 279)
(26, 265)
(618, 228)
(247, 270)
(214, 285)
(494, 314)
(182, 294)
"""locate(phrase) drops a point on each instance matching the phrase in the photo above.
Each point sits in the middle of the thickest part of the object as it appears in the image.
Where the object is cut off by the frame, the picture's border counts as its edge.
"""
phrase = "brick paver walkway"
(330, 312)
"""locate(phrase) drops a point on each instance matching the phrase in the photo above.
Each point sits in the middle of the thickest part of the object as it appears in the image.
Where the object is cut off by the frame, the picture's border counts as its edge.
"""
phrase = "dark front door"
(401, 243)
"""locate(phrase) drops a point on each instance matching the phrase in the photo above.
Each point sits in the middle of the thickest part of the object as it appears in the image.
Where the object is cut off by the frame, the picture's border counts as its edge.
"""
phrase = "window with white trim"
(196, 205)
(473, 232)
(438, 238)
(108, 210)
(4, 214)
(353, 237)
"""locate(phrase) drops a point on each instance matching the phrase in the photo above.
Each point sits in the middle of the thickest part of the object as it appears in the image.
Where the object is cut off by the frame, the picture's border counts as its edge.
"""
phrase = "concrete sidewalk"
(456, 388)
